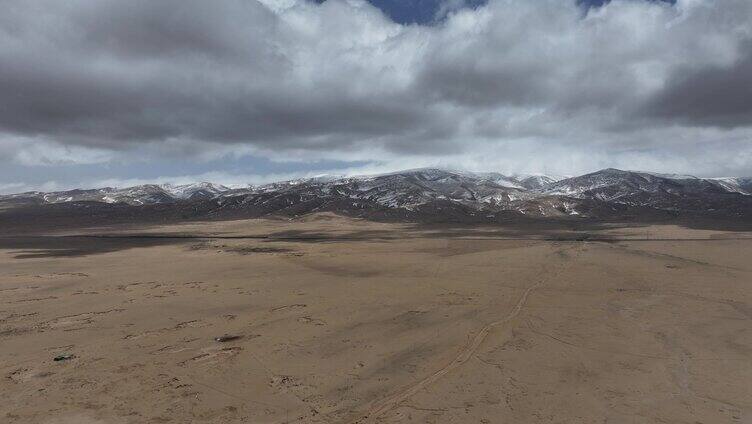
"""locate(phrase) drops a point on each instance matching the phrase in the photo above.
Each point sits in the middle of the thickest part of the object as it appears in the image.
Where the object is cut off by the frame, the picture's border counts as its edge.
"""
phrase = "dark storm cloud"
(113, 72)
(341, 78)
(714, 95)
(104, 72)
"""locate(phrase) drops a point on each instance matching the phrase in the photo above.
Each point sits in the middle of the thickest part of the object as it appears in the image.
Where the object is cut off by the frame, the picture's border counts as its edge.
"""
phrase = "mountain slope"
(425, 195)
(147, 194)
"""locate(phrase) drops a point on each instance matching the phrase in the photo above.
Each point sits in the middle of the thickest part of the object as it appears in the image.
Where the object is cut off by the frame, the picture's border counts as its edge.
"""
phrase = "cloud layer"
(515, 83)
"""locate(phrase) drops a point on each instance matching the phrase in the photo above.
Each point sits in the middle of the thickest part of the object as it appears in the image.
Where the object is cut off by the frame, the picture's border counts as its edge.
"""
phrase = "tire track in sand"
(392, 401)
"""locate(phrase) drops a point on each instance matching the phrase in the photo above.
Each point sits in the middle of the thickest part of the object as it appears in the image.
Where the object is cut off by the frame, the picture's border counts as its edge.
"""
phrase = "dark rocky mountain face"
(148, 194)
(671, 193)
(424, 195)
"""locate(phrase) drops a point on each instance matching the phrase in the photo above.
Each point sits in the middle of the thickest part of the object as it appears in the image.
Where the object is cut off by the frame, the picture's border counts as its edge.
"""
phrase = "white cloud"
(515, 85)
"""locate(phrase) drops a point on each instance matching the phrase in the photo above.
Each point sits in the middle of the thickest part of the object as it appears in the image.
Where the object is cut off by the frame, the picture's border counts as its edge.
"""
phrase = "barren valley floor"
(345, 321)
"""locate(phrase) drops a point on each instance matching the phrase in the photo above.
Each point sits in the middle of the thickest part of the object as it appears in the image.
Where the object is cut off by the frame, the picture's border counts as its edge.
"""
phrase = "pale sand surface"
(382, 323)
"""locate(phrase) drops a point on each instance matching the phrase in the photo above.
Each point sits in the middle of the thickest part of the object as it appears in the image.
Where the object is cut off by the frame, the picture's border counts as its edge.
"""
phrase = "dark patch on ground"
(31, 247)
(243, 250)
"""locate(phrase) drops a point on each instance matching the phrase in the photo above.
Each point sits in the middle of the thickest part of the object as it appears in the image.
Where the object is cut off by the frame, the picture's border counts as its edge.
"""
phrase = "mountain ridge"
(423, 194)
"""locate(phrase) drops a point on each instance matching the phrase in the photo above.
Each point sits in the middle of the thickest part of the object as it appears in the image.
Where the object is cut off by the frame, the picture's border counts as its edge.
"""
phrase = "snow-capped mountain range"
(146, 194)
(434, 194)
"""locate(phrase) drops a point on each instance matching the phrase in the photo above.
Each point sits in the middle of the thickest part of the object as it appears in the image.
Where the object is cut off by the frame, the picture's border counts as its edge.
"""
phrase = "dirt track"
(463, 356)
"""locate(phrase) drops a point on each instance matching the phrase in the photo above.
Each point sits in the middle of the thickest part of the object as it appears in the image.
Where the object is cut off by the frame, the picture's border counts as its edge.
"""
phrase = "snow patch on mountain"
(436, 191)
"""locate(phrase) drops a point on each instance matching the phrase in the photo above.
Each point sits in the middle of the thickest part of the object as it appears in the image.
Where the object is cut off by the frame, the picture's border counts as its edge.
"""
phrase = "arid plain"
(347, 321)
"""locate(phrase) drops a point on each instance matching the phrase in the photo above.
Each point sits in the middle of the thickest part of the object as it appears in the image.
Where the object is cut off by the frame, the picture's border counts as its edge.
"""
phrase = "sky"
(112, 93)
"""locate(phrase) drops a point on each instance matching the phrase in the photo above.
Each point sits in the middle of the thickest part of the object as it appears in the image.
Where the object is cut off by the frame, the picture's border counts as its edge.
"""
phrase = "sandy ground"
(343, 321)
